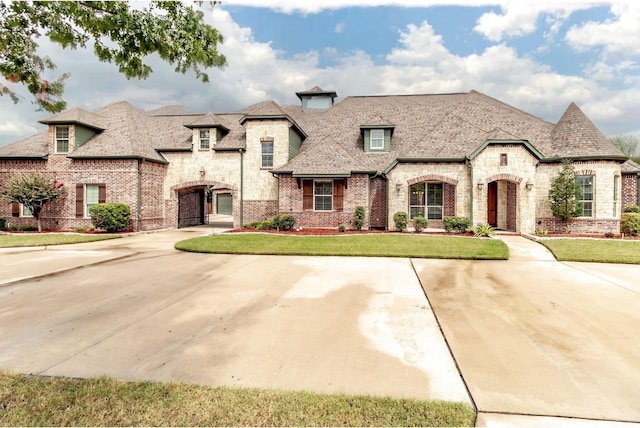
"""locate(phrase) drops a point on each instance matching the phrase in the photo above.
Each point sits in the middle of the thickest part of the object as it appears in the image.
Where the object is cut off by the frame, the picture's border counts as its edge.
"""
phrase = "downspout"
(241, 187)
(386, 203)
(471, 201)
(139, 201)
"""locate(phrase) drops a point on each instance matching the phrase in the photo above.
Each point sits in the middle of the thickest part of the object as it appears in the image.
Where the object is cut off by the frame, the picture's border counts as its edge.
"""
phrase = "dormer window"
(377, 139)
(62, 139)
(205, 140)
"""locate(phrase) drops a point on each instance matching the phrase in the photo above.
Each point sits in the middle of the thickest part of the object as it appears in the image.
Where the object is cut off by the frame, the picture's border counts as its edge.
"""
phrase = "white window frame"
(60, 139)
(205, 138)
(89, 203)
(25, 212)
(426, 210)
(266, 157)
(583, 200)
(324, 196)
(376, 135)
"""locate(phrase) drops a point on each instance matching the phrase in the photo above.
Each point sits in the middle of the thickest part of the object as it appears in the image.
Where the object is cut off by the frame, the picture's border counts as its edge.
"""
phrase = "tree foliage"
(565, 193)
(629, 145)
(112, 217)
(33, 191)
(120, 34)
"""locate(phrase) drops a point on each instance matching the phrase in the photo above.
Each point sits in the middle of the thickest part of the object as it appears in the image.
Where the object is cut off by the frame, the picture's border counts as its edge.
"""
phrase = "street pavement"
(535, 342)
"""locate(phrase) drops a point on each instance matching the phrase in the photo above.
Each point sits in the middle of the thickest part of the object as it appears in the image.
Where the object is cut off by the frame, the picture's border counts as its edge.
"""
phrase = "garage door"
(224, 203)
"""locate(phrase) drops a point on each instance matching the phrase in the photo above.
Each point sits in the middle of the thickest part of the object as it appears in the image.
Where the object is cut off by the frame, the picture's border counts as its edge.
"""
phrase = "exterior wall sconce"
(480, 185)
(529, 185)
(398, 187)
(202, 172)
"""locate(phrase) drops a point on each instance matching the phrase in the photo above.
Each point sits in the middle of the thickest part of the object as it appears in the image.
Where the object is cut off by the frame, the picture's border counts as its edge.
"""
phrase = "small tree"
(400, 219)
(33, 191)
(565, 194)
(358, 217)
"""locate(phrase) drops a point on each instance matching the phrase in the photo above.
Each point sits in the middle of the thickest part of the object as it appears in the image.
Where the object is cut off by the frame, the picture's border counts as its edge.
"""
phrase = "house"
(461, 154)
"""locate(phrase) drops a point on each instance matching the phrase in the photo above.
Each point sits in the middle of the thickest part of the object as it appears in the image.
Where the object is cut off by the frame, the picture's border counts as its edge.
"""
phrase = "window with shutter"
(307, 194)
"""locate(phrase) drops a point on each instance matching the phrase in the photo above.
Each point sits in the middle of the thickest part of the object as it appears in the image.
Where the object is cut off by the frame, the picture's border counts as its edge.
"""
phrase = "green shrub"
(400, 219)
(342, 228)
(630, 224)
(456, 224)
(632, 209)
(358, 217)
(542, 232)
(3, 223)
(483, 230)
(265, 225)
(283, 222)
(420, 223)
(112, 217)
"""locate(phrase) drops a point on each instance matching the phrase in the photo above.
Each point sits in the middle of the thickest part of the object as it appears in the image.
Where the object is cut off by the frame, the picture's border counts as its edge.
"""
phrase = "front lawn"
(43, 239)
(371, 245)
(31, 401)
(594, 250)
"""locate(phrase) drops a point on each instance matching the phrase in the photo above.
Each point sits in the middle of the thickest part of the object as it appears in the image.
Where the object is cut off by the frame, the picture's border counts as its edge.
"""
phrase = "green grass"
(42, 239)
(371, 245)
(594, 250)
(30, 401)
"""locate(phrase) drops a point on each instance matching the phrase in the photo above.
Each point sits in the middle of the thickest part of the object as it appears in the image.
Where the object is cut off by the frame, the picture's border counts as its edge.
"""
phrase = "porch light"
(529, 185)
(202, 172)
(480, 185)
(398, 187)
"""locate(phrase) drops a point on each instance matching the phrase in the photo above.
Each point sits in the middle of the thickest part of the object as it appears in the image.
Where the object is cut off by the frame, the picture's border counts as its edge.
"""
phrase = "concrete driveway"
(538, 342)
(135, 308)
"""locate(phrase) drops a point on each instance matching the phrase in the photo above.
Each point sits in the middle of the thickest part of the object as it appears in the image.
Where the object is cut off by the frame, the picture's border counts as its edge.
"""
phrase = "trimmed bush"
(3, 223)
(283, 222)
(400, 219)
(112, 217)
(456, 224)
(630, 223)
(632, 209)
(420, 223)
(358, 217)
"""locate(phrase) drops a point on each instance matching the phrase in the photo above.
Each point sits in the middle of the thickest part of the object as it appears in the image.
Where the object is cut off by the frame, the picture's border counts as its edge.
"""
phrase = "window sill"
(266, 168)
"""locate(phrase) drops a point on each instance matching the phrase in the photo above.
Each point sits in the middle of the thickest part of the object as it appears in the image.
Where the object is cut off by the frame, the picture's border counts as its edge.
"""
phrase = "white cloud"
(620, 36)
(421, 63)
(340, 27)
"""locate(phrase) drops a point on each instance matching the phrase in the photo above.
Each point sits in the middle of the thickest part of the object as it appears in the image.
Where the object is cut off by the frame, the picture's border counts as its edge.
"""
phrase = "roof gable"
(77, 116)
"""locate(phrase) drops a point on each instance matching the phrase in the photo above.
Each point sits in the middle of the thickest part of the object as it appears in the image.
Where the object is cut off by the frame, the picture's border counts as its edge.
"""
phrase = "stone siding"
(456, 177)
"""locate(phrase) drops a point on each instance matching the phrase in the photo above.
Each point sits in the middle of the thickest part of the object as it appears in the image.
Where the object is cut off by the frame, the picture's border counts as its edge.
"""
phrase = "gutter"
(139, 197)
(241, 186)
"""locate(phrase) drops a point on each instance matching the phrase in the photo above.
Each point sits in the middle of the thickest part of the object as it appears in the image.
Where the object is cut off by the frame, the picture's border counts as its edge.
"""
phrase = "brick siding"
(578, 225)
(356, 193)
(378, 201)
(629, 190)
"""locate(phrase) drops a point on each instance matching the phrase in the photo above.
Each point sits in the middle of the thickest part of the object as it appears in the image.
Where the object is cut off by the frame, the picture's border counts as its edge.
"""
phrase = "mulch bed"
(324, 231)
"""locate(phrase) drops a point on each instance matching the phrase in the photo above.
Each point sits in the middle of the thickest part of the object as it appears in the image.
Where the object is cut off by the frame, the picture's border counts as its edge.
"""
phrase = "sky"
(537, 56)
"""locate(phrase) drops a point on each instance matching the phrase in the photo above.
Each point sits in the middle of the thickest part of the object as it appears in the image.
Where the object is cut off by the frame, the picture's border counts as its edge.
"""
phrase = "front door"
(492, 204)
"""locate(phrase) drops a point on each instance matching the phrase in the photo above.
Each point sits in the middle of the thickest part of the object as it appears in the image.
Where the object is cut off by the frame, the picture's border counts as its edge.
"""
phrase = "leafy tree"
(565, 194)
(33, 191)
(119, 33)
(629, 145)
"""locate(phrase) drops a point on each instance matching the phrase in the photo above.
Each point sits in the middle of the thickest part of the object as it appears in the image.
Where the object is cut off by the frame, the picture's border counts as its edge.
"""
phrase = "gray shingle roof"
(630, 167)
(576, 135)
(441, 127)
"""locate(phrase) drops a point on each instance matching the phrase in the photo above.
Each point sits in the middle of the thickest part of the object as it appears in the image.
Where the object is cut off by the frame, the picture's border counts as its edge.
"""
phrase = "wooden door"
(492, 204)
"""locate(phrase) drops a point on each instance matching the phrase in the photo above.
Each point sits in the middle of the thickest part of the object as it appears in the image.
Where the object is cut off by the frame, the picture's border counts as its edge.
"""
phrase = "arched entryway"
(502, 202)
(197, 200)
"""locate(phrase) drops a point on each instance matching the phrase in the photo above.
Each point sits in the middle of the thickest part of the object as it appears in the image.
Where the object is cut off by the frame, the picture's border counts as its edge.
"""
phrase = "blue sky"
(536, 56)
